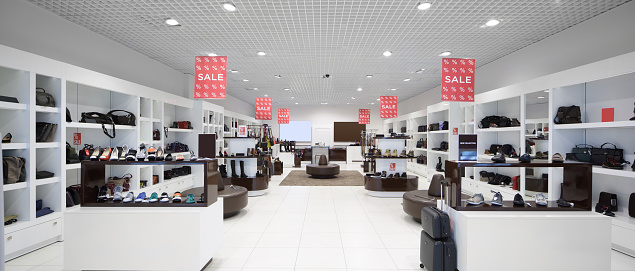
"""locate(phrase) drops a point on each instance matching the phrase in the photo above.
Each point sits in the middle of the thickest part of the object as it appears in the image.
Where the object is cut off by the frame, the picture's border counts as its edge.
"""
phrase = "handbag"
(124, 181)
(71, 154)
(422, 128)
(182, 125)
(443, 125)
(45, 132)
(608, 200)
(403, 129)
(420, 143)
(44, 99)
(601, 154)
(126, 119)
(43, 174)
(581, 153)
(167, 174)
(498, 121)
(487, 176)
(13, 169)
(444, 146)
(156, 135)
(494, 148)
(433, 127)
(508, 150)
(84, 154)
(568, 114)
(103, 119)
(68, 116)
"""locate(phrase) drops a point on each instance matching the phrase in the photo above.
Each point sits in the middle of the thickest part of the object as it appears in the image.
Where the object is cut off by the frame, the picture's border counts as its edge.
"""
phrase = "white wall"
(607, 35)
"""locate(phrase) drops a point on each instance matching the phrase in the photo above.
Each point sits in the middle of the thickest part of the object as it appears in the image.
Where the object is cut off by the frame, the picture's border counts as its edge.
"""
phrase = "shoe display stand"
(378, 186)
(255, 184)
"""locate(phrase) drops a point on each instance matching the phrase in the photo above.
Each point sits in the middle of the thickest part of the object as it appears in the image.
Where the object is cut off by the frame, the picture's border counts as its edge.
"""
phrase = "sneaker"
(499, 158)
(394, 153)
(152, 153)
(118, 193)
(476, 199)
(123, 154)
(129, 197)
(497, 199)
(114, 156)
(180, 157)
(96, 154)
(193, 157)
(164, 197)
(525, 158)
(160, 154)
(131, 155)
(383, 174)
(176, 198)
(154, 197)
(140, 197)
(141, 153)
(190, 198)
(557, 158)
(103, 194)
(541, 200)
(403, 175)
(168, 157)
(105, 156)
(518, 200)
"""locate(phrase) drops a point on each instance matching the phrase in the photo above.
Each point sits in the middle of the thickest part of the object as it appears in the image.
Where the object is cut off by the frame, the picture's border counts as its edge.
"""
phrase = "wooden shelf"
(12, 106)
(596, 125)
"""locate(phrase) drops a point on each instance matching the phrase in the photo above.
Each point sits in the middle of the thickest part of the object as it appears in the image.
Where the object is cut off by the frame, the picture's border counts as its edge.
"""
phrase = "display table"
(256, 186)
(158, 238)
(393, 187)
(567, 240)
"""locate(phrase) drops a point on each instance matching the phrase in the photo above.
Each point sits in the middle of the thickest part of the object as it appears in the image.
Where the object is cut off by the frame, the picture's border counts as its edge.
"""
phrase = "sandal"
(190, 198)
(7, 138)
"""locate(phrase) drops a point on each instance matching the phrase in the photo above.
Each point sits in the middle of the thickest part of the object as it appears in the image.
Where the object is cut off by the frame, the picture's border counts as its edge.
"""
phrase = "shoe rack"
(389, 164)
(246, 164)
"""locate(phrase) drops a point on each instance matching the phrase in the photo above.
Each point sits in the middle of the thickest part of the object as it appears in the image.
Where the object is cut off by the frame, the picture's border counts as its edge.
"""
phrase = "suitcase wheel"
(421, 265)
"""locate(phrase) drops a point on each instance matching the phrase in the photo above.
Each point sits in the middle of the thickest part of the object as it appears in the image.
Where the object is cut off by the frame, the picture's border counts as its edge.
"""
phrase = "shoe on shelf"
(557, 158)
(131, 155)
(141, 153)
(541, 200)
(176, 198)
(105, 156)
(202, 198)
(96, 154)
(394, 153)
(497, 199)
(518, 200)
(179, 157)
(193, 157)
(387, 154)
(404, 153)
(7, 138)
(154, 197)
(404, 175)
(383, 174)
(377, 173)
(152, 153)
(611, 164)
(525, 158)
(225, 154)
(607, 212)
(411, 153)
(114, 156)
(123, 154)
(164, 197)
(160, 154)
(499, 158)
(140, 197)
(103, 194)
(476, 199)
(561, 201)
(129, 197)
(390, 175)
(168, 157)
(118, 193)
(190, 199)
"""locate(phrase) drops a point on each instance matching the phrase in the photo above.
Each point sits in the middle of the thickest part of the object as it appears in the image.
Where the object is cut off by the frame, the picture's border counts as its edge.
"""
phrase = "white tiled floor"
(308, 228)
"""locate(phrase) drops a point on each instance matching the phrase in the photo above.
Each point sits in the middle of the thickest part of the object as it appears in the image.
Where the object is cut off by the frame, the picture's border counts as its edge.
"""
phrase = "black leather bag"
(167, 174)
(13, 169)
(500, 121)
(601, 154)
(581, 153)
(568, 114)
(508, 150)
(420, 143)
(495, 148)
(103, 119)
(443, 125)
(444, 146)
(487, 176)
(422, 128)
(43, 174)
(433, 127)
(45, 132)
(84, 154)
(68, 116)
(435, 222)
(44, 99)
(71, 154)
(126, 119)
(608, 200)
(156, 135)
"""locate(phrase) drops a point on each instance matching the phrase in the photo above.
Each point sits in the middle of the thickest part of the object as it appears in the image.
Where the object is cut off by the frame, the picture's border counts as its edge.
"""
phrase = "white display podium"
(153, 238)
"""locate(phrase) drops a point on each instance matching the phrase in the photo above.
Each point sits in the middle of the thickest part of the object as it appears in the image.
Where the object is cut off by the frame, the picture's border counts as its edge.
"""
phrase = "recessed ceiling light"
(292, 97)
(424, 6)
(359, 89)
(492, 22)
(324, 103)
(229, 7)
(255, 88)
(407, 79)
(446, 104)
(547, 90)
(233, 71)
(353, 98)
(171, 22)
(296, 103)
(446, 53)
(387, 53)
(212, 54)
(245, 80)
(286, 88)
(369, 76)
(277, 76)
(378, 99)
(393, 89)
(266, 95)
(372, 103)
(348, 103)
(261, 53)
(420, 71)
(541, 97)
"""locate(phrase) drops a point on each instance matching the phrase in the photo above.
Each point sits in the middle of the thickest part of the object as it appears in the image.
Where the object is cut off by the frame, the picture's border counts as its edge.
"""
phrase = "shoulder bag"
(103, 119)
(568, 114)
(601, 154)
(125, 119)
(44, 99)
(71, 154)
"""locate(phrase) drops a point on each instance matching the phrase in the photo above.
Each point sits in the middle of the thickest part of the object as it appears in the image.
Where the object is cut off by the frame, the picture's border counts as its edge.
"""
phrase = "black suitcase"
(437, 255)
(435, 222)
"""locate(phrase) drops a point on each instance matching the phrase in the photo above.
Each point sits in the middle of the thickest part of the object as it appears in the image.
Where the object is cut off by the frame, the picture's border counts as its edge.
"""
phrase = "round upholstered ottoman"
(413, 201)
(326, 171)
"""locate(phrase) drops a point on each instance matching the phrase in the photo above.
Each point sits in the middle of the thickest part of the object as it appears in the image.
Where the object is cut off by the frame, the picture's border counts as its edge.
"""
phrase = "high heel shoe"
(105, 156)
(7, 138)
(124, 152)
(114, 156)
(141, 153)
(96, 154)
(159, 155)
(152, 153)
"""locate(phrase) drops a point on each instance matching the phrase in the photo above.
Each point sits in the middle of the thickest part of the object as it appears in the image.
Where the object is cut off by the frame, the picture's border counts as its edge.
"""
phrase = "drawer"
(623, 237)
(21, 239)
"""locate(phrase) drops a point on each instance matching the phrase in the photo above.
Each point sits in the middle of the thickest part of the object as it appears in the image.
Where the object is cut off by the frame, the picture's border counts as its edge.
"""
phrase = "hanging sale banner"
(263, 108)
(388, 107)
(458, 80)
(210, 74)
(283, 116)
(364, 116)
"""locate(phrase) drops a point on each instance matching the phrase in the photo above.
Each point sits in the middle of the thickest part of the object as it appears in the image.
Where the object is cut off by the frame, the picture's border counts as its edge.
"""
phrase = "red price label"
(77, 139)
(392, 167)
(455, 131)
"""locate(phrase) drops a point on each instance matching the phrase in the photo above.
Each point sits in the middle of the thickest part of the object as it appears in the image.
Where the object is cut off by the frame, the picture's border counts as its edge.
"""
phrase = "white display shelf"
(503, 189)
(596, 125)
(45, 145)
(156, 120)
(439, 152)
(421, 133)
(14, 186)
(180, 130)
(156, 142)
(439, 132)
(82, 125)
(626, 172)
(144, 119)
(47, 181)
(421, 149)
(73, 166)
(489, 158)
(14, 146)
(12, 106)
(15, 226)
(504, 129)
(46, 109)
(467, 123)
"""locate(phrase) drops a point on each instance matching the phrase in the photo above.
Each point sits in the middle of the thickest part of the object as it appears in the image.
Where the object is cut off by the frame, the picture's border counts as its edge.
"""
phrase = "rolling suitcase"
(437, 255)
(435, 222)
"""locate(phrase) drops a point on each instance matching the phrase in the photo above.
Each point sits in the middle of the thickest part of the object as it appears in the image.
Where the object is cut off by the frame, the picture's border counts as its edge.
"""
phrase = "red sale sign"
(263, 108)
(283, 116)
(210, 77)
(364, 116)
(77, 139)
(388, 107)
(458, 80)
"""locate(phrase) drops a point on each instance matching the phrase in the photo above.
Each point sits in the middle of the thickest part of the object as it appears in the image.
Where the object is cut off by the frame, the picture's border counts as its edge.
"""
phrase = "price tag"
(77, 139)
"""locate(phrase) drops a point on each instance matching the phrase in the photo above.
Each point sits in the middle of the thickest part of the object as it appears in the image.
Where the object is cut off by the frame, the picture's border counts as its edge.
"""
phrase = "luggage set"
(437, 251)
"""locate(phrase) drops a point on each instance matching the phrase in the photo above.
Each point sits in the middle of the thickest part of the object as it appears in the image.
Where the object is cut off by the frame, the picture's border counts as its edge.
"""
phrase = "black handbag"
(608, 200)
(167, 174)
(601, 154)
(103, 119)
(508, 150)
(43, 174)
(126, 119)
(422, 128)
(581, 153)
(443, 125)
(420, 143)
(68, 116)
(84, 154)
(433, 127)
(499, 121)
(71, 154)
(45, 132)
(44, 99)
(444, 146)
(568, 114)
(156, 135)
(494, 148)
(487, 176)
(13, 169)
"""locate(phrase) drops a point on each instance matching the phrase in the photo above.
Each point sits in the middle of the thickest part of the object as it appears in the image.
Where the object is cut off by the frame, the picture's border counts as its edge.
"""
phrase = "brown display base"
(373, 183)
(252, 184)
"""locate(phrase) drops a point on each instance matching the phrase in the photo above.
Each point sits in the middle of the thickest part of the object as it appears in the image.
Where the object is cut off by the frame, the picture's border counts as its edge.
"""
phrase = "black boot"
(242, 169)
(439, 166)
(223, 171)
(233, 165)
(561, 201)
